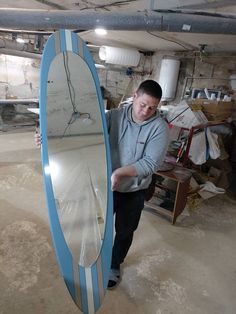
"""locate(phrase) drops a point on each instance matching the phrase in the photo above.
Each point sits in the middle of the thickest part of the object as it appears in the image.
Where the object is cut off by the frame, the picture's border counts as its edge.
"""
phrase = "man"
(138, 141)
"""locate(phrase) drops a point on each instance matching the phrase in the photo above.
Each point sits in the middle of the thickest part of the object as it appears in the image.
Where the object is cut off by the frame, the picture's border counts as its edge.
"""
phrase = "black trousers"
(127, 209)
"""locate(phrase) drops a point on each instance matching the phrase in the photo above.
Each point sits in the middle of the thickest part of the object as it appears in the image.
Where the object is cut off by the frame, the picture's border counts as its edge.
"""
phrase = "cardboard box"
(214, 110)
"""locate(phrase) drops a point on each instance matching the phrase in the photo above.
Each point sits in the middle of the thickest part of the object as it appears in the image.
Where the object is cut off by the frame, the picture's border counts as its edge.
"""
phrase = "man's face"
(144, 107)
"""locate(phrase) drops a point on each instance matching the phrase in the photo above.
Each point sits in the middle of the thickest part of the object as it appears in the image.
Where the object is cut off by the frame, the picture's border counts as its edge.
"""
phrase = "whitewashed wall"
(19, 77)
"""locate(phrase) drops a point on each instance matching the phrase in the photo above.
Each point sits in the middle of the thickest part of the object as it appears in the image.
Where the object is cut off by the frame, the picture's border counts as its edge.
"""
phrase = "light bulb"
(100, 31)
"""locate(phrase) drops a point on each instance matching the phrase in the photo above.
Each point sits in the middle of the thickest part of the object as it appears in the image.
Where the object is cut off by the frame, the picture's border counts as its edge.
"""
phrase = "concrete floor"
(181, 269)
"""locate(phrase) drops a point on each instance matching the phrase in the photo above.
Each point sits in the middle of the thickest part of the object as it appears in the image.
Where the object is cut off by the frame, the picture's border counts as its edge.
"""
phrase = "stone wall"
(20, 78)
(211, 71)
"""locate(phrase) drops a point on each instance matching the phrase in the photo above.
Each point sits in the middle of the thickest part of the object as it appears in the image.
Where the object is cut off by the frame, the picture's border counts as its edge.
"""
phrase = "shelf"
(180, 197)
(162, 186)
(160, 210)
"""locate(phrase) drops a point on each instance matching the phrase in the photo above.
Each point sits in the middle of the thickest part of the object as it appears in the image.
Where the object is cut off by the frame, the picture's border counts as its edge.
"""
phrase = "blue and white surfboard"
(74, 134)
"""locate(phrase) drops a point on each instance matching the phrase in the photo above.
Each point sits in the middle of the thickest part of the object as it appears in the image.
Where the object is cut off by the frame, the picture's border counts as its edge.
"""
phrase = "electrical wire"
(170, 40)
(75, 114)
(105, 6)
(71, 91)
(193, 71)
(68, 80)
(198, 12)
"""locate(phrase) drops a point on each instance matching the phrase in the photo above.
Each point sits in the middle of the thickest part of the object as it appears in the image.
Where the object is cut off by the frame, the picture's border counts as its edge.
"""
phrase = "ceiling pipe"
(22, 31)
(19, 53)
(156, 21)
(19, 101)
(13, 48)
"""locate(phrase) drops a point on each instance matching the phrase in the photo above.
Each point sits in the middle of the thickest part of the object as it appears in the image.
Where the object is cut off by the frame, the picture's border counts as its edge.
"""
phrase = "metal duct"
(170, 22)
(19, 101)
(19, 53)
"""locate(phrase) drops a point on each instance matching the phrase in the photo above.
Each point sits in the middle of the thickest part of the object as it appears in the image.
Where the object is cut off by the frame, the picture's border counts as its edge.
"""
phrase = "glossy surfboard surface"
(76, 168)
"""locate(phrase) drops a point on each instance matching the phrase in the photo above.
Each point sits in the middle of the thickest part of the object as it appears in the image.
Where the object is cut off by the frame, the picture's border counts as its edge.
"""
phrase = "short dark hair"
(151, 88)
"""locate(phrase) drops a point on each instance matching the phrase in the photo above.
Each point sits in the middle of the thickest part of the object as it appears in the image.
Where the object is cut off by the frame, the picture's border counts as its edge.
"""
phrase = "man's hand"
(115, 179)
(37, 139)
(119, 173)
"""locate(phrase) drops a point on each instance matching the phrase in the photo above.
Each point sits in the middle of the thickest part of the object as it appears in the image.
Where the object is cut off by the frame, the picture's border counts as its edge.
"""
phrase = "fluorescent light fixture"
(20, 40)
(100, 31)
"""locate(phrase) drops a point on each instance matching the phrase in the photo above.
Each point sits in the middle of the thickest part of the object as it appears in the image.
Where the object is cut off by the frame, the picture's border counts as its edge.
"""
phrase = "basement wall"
(196, 71)
(19, 77)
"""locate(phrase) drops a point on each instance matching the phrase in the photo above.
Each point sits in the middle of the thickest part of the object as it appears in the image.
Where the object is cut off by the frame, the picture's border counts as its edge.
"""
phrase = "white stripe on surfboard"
(68, 40)
(89, 284)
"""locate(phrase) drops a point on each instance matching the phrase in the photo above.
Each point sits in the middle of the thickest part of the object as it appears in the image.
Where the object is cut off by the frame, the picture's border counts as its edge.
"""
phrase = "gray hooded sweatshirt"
(141, 145)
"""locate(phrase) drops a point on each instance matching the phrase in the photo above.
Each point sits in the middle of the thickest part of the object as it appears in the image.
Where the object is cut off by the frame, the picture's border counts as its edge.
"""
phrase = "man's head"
(146, 100)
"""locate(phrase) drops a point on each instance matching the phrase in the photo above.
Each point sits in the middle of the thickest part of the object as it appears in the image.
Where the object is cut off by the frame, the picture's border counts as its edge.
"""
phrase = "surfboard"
(76, 167)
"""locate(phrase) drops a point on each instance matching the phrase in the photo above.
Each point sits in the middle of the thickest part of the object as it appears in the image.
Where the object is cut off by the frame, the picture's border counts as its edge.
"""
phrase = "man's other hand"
(37, 139)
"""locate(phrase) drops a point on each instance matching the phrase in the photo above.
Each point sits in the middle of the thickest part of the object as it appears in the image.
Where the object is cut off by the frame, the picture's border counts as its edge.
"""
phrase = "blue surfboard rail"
(86, 285)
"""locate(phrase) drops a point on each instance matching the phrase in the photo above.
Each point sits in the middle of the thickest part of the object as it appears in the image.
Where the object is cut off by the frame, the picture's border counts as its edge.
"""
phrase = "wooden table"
(171, 190)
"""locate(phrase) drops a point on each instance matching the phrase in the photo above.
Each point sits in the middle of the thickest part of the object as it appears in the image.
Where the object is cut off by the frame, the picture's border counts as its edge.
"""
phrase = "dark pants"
(127, 208)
